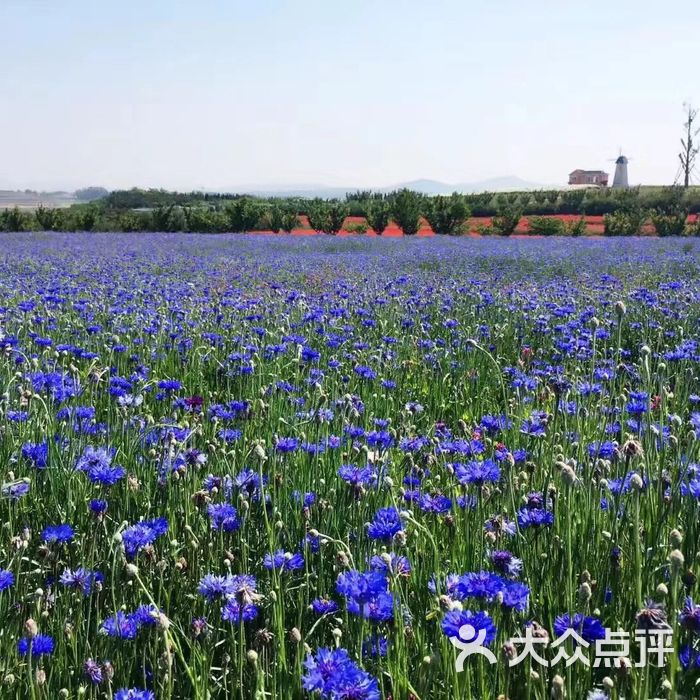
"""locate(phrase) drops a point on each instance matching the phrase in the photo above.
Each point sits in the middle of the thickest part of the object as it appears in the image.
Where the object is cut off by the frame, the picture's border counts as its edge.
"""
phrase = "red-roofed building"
(588, 177)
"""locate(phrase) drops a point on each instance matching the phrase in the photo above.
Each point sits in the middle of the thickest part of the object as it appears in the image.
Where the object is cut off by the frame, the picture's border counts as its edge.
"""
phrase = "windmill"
(620, 180)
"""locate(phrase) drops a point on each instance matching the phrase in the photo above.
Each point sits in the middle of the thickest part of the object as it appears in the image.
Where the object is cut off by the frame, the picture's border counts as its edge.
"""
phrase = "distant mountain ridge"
(425, 186)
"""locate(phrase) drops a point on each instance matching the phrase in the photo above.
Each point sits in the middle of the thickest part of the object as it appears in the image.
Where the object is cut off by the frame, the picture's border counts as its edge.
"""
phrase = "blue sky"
(218, 94)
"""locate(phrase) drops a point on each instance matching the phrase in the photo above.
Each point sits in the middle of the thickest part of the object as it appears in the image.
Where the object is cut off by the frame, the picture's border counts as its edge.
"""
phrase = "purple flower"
(534, 517)
(134, 694)
(93, 671)
(454, 622)
(589, 628)
(288, 444)
(323, 606)
(516, 596)
(138, 536)
(120, 626)
(80, 579)
(506, 563)
(385, 525)
(7, 579)
(41, 645)
(57, 534)
(334, 676)
(37, 454)
(483, 584)
(223, 516)
(690, 616)
(236, 612)
(357, 476)
(283, 561)
(477, 473)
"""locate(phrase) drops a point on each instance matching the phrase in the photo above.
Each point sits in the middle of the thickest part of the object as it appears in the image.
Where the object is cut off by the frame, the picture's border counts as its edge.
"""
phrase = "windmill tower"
(620, 179)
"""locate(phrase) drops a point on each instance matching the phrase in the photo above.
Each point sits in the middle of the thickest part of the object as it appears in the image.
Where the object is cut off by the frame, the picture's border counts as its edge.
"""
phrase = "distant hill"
(30, 199)
(425, 186)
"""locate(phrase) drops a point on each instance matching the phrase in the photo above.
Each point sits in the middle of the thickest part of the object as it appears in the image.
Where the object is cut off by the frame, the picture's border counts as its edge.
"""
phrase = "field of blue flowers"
(258, 467)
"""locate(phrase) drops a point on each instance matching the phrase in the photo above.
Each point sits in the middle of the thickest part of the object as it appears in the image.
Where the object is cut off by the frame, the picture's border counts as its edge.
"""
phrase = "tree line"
(625, 212)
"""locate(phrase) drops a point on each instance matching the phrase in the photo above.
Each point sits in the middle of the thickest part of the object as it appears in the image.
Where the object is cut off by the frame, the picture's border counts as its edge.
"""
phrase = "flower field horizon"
(249, 467)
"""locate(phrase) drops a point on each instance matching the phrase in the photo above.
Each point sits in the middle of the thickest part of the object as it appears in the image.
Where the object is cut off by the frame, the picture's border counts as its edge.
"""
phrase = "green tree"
(624, 223)
(405, 210)
(273, 218)
(337, 213)
(161, 218)
(90, 194)
(317, 214)
(378, 215)
(48, 219)
(243, 214)
(85, 217)
(446, 215)
(507, 220)
(546, 226)
(289, 221)
(13, 220)
(671, 214)
(327, 217)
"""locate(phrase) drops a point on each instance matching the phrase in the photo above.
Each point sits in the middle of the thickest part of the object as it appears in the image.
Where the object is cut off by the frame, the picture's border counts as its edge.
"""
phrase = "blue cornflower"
(36, 453)
(494, 424)
(105, 475)
(376, 645)
(169, 385)
(223, 517)
(7, 579)
(357, 476)
(80, 578)
(138, 536)
(604, 450)
(361, 586)
(283, 561)
(229, 434)
(120, 626)
(482, 584)
(690, 616)
(146, 616)
(40, 645)
(323, 667)
(533, 517)
(477, 473)
(57, 534)
(365, 372)
(589, 628)
(236, 612)
(391, 564)
(15, 489)
(385, 525)
(533, 427)
(377, 609)
(94, 457)
(98, 507)
(288, 444)
(322, 606)
(334, 676)
(434, 503)
(215, 586)
(93, 671)
(516, 596)
(134, 694)
(506, 562)
(455, 620)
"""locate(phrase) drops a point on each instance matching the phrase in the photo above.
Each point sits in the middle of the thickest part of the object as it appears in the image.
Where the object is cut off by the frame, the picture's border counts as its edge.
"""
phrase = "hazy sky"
(219, 93)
